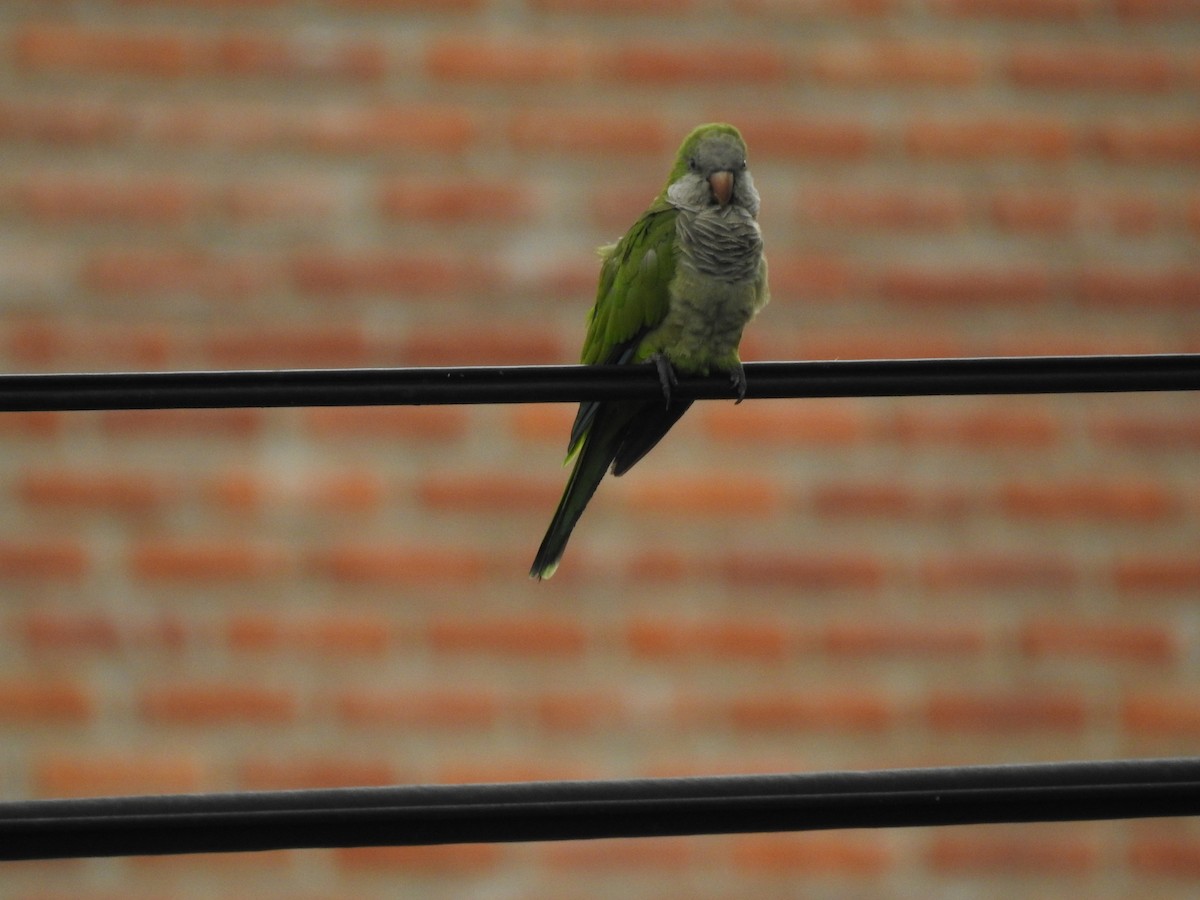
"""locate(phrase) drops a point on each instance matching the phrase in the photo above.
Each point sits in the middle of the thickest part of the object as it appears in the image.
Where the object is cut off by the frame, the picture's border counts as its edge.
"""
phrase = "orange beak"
(722, 186)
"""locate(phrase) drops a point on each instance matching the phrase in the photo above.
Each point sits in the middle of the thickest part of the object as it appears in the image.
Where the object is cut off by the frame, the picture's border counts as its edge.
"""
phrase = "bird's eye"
(742, 165)
(692, 164)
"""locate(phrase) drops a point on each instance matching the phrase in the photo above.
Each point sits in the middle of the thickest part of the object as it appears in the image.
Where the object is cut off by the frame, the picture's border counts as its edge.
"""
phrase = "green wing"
(632, 295)
(631, 299)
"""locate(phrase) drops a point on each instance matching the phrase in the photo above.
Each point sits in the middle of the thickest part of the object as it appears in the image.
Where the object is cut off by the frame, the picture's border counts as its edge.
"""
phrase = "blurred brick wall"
(199, 601)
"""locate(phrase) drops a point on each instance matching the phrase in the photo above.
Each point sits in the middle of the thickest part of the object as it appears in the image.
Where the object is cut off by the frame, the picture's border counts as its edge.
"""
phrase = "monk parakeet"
(676, 291)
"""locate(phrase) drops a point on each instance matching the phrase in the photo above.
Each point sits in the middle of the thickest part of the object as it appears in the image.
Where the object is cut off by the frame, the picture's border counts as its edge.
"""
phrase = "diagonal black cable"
(543, 811)
(537, 384)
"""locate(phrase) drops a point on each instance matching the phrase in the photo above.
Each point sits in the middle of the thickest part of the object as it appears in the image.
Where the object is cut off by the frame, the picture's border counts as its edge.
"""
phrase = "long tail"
(619, 436)
(599, 449)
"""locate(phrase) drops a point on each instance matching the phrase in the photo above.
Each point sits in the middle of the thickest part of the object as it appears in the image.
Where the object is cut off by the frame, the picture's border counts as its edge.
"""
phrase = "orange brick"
(1027, 711)
(183, 424)
(140, 274)
(323, 346)
(72, 631)
(32, 425)
(624, 855)
(486, 60)
(982, 429)
(206, 561)
(531, 637)
(777, 11)
(38, 701)
(339, 634)
(46, 560)
(892, 638)
(888, 501)
(1166, 713)
(670, 639)
(454, 6)
(1156, 575)
(336, 276)
(855, 573)
(616, 207)
(1165, 856)
(75, 123)
(1128, 501)
(398, 565)
(313, 772)
(1017, 10)
(493, 770)
(488, 494)
(438, 708)
(613, 8)
(449, 859)
(386, 129)
(268, 200)
(247, 54)
(483, 345)
(776, 136)
(700, 495)
(1155, 10)
(1041, 212)
(57, 345)
(970, 573)
(583, 711)
(432, 423)
(596, 132)
(1139, 290)
(810, 278)
(543, 422)
(958, 140)
(75, 775)
(1090, 68)
(1005, 855)
(818, 423)
(744, 62)
(456, 202)
(891, 62)
(856, 711)
(68, 48)
(216, 703)
(812, 854)
(68, 489)
(1149, 144)
(1105, 641)
(65, 200)
(935, 288)
(883, 208)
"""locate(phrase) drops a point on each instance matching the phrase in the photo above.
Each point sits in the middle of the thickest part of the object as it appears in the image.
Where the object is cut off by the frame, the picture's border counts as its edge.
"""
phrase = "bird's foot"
(738, 376)
(666, 375)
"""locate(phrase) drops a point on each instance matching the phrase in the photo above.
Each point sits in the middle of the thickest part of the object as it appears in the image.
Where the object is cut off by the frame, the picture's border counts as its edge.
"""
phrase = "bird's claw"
(738, 376)
(666, 375)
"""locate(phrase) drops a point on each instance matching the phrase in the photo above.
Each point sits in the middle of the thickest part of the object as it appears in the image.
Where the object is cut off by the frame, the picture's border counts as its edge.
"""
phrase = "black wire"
(542, 811)
(538, 384)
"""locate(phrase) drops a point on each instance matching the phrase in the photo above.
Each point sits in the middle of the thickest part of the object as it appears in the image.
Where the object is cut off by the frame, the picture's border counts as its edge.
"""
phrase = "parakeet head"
(710, 170)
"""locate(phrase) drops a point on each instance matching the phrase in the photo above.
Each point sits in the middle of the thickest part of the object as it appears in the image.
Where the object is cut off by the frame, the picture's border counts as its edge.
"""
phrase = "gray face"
(719, 153)
(700, 186)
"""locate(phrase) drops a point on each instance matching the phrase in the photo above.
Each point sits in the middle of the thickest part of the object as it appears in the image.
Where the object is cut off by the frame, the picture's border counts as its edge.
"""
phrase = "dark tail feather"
(645, 430)
(619, 436)
(599, 448)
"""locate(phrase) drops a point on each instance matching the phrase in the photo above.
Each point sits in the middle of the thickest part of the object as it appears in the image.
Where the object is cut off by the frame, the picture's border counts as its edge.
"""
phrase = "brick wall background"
(197, 601)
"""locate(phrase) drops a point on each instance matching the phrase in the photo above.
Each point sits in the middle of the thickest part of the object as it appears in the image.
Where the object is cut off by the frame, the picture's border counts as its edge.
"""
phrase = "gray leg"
(666, 375)
(738, 376)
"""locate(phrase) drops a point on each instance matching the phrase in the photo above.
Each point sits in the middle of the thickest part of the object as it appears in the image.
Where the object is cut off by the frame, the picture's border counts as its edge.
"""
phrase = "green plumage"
(665, 293)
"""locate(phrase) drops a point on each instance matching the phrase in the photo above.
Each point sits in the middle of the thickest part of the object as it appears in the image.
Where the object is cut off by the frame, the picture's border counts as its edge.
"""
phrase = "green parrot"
(677, 290)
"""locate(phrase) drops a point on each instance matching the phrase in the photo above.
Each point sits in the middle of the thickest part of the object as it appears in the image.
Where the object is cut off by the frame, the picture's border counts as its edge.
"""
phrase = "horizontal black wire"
(547, 384)
(571, 810)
